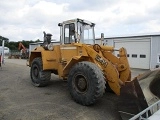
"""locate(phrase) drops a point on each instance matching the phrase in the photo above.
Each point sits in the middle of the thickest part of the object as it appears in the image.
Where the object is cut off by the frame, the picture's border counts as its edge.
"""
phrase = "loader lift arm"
(112, 70)
(118, 75)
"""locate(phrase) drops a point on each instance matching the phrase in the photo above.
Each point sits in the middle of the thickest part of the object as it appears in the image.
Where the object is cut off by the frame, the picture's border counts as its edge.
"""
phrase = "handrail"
(152, 109)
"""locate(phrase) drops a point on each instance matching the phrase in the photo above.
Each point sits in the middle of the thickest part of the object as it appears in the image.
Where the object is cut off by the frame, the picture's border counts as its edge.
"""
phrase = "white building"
(6, 50)
(143, 51)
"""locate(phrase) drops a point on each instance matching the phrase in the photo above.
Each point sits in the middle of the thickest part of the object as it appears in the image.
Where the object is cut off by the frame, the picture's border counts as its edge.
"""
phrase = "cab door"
(68, 50)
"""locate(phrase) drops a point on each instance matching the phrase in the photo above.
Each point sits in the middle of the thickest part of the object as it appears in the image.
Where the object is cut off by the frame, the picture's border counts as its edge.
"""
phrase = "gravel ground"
(20, 100)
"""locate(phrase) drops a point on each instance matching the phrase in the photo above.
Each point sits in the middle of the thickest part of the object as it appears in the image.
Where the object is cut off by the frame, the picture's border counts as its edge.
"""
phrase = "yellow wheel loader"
(89, 68)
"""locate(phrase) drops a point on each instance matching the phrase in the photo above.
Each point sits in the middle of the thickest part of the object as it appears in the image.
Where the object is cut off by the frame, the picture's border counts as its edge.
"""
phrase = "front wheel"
(39, 76)
(86, 83)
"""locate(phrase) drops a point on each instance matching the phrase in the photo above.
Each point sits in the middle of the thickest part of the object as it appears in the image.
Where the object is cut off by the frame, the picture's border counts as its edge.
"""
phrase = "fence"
(14, 54)
(151, 109)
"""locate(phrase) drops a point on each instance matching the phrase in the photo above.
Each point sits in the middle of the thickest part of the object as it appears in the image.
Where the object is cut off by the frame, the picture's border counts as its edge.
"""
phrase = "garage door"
(138, 52)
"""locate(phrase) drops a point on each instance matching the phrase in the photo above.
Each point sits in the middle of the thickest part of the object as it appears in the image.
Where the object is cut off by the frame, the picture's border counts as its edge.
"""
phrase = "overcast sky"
(27, 19)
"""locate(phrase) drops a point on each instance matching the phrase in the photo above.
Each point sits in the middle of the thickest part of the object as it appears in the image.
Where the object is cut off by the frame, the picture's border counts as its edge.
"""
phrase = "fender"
(73, 61)
(48, 58)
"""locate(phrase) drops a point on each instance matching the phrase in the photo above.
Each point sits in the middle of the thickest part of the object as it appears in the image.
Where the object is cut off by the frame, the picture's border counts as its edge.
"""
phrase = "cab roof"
(77, 20)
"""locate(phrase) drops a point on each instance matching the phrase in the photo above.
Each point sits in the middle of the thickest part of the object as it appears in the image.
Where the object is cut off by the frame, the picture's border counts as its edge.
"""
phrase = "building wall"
(154, 46)
(109, 42)
(155, 51)
(106, 41)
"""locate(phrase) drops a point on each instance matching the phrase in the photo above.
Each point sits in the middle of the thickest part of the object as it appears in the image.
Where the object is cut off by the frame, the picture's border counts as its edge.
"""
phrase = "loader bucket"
(137, 94)
(132, 100)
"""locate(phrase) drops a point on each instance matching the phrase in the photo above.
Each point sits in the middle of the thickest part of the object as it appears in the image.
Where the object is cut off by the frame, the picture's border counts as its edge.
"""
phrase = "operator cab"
(77, 31)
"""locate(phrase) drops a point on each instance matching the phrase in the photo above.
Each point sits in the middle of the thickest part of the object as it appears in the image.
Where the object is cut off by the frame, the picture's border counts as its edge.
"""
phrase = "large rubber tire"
(86, 83)
(39, 77)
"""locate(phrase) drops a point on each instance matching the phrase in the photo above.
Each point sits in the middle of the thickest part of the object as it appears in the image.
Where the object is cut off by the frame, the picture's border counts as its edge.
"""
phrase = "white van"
(6, 50)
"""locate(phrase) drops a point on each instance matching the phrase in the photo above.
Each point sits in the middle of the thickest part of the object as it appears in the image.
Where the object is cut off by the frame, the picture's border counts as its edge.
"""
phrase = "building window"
(134, 55)
(118, 55)
(142, 56)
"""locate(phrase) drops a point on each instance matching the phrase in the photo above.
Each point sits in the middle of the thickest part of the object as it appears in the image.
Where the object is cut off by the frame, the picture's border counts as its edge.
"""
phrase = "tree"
(3, 38)
(38, 40)
(14, 45)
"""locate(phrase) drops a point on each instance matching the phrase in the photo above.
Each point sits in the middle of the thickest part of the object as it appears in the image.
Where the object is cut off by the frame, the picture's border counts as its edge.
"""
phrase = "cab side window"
(69, 33)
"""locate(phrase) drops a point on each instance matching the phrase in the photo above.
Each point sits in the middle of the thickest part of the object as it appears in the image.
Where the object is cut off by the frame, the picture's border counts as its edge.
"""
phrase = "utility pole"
(2, 54)
(2, 51)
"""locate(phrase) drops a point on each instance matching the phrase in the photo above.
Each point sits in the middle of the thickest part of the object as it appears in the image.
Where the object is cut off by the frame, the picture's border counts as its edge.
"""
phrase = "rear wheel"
(39, 77)
(86, 83)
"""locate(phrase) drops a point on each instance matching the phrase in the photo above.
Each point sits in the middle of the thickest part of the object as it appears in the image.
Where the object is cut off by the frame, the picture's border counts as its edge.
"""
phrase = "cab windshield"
(86, 33)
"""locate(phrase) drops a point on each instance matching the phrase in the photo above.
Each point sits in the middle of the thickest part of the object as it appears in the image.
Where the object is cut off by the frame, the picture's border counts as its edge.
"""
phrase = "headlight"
(50, 46)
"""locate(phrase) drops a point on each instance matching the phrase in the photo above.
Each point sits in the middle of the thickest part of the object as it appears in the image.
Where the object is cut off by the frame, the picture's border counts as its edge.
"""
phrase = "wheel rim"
(80, 83)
